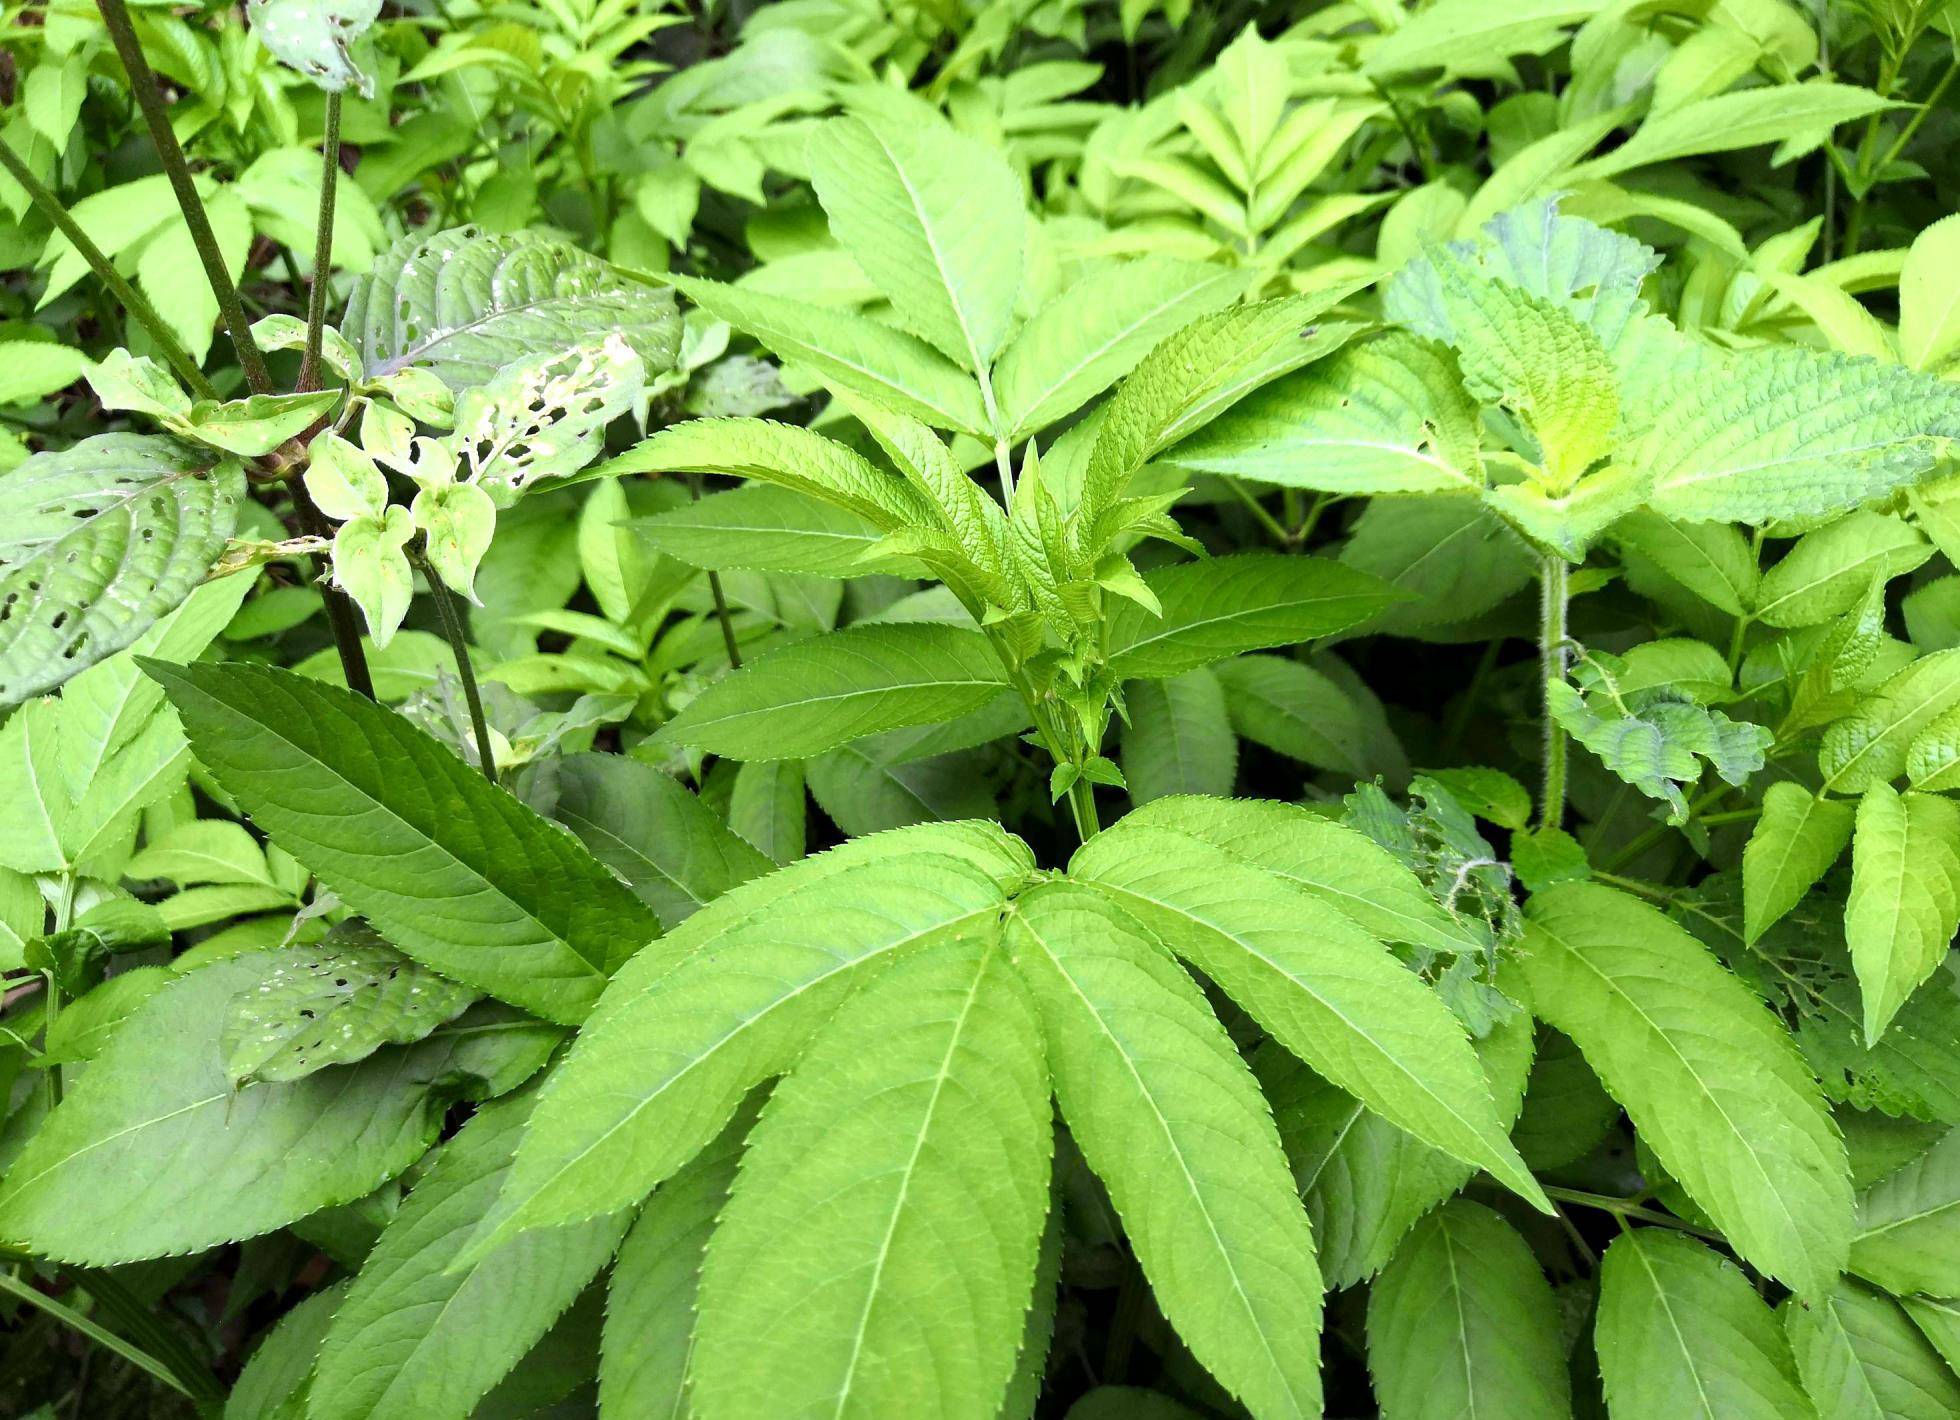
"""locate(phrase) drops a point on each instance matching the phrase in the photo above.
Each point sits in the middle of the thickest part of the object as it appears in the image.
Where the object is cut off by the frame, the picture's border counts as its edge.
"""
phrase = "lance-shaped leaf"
(313, 37)
(418, 1336)
(1462, 1323)
(729, 998)
(1165, 1111)
(1712, 1082)
(1872, 744)
(156, 1151)
(1681, 1333)
(1322, 987)
(98, 541)
(332, 1004)
(1794, 843)
(817, 694)
(1908, 1237)
(1227, 605)
(1861, 1358)
(1178, 739)
(463, 304)
(454, 871)
(936, 219)
(1904, 905)
(879, 1248)
(764, 529)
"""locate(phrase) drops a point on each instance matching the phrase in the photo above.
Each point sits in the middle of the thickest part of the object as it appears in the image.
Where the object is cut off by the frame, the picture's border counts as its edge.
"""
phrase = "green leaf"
(1904, 905)
(764, 529)
(729, 998)
(1794, 843)
(1681, 1333)
(810, 696)
(1096, 331)
(850, 352)
(1914, 1070)
(1711, 1081)
(1165, 1112)
(650, 1299)
(313, 36)
(99, 541)
(1828, 572)
(1460, 1319)
(1712, 560)
(1795, 115)
(452, 870)
(1929, 311)
(1293, 710)
(1226, 605)
(105, 1180)
(1178, 739)
(670, 848)
(333, 1004)
(420, 1333)
(936, 219)
(1870, 745)
(463, 304)
(1862, 1359)
(1451, 33)
(273, 1384)
(1454, 556)
(1781, 431)
(767, 808)
(1317, 983)
(1908, 1237)
(878, 1251)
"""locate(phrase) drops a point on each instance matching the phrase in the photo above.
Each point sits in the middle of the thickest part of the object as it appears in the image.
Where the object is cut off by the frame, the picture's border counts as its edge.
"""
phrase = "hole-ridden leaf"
(97, 542)
(313, 36)
(334, 1003)
(454, 871)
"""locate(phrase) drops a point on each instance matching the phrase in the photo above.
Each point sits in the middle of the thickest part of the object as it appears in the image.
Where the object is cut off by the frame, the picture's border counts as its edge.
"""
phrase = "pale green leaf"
(312, 36)
(764, 529)
(1454, 34)
(1871, 744)
(1746, 118)
(1929, 304)
(1712, 560)
(1904, 906)
(1795, 842)
(1828, 572)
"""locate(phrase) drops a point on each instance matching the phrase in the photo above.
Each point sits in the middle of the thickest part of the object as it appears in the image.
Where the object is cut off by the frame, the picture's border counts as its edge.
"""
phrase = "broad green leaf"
(1453, 555)
(1711, 1081)
(785, 454)
(1095, 332)
(1828, 572)
(816, 694)
(1166, 1113)
(1870, 745)
(1462, 1323)
(1781, 431)
(1366, 1182)
(1712, 560)
(418, 1334)
(649, 1332)
(1178, 739)
(1904, 905)
(936, 219)
(1294, 710)
(1795, 115)
(1318, 984)
(1929, 308)
(273, 1384)
(97, 542)
(870, 786)
(767, 808)
(1794, 843)
(452, 870)
(1383, 416)
(669, 847)
(1342, 867)
(729, 998)
(764, 529)
(851, 352)
(1938, 1319)
(334, 1003)
(1453, 34)
(154, 1151)
(879, 1247)
(464, 304)
(1862, 1359)
(1246, 602)
(1908, 1237)
(202, 851)
(312, 36)
(1682, 1333)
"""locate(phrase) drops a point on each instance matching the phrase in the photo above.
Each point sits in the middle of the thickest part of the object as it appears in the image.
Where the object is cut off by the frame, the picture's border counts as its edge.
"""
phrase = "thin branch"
(132, 300)
(452, 630)
(149, 98)
(316, 296)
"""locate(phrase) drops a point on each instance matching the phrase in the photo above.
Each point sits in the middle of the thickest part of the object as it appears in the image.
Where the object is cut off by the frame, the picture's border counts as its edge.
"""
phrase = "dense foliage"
(973, 709)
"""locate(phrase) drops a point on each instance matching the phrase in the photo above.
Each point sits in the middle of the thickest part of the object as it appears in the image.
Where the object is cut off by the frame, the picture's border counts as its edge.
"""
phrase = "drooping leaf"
(1294, 710)
(1682, 1333)
(1179, 738)
(1776, 113)
(764, 529)
(811, 696)
(99, 541)
(452, 870)
(1462, 1322)
(879, 1248)
(106, 1179)
(1862, 1359)
(1163, 1108)
(1711, 1081)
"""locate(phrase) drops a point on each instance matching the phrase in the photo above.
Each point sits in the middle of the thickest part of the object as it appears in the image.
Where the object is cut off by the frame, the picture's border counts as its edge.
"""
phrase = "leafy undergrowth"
(1118, 711)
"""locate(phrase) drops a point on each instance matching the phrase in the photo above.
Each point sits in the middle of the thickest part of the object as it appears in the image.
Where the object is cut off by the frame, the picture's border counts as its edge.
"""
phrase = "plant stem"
(149, 98)
(132, 300)
(316, 296)
(1082, 802)
(452, 630)
(64, 916)
(1554, 581)
(714, 590)
(1623, 1208)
